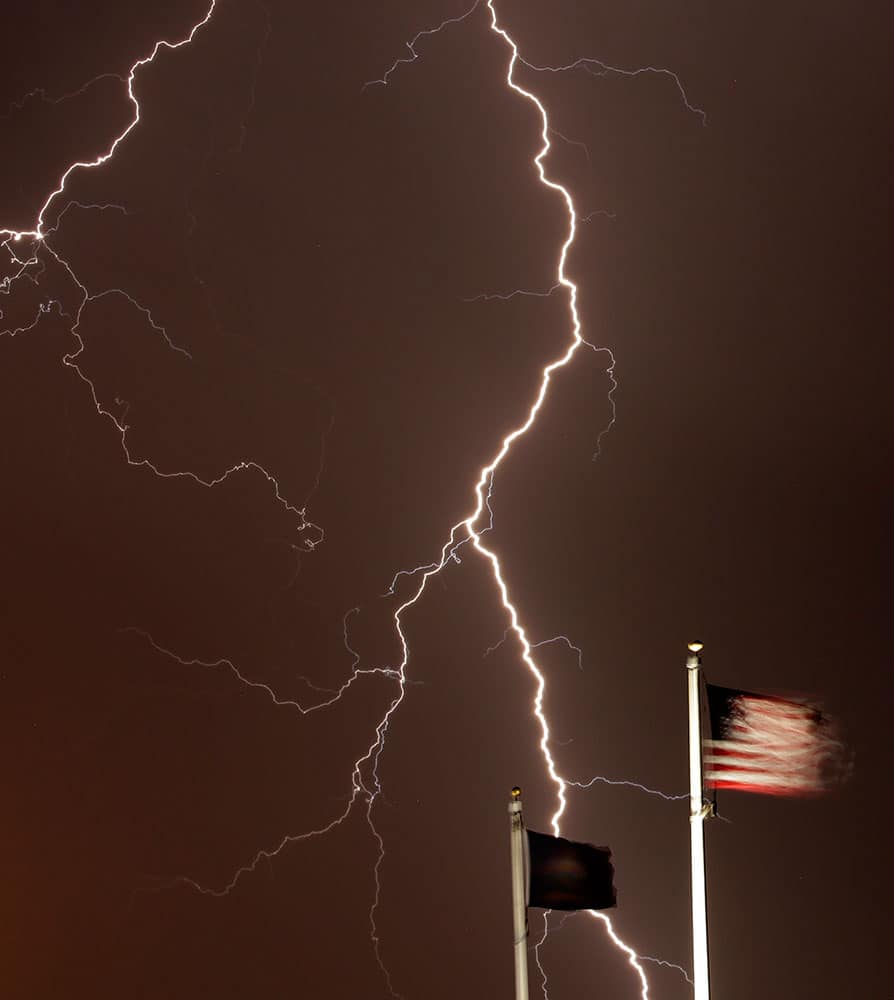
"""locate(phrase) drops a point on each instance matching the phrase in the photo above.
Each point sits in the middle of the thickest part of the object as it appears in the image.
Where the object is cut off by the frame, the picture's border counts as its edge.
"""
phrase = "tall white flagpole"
(519, 894)
(697, 813)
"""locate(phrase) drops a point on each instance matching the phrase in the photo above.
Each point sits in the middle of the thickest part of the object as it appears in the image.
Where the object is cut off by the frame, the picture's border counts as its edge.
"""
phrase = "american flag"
(768, 745)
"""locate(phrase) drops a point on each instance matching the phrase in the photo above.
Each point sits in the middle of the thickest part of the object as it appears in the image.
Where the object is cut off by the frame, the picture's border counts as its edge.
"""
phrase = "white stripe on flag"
(770, 745)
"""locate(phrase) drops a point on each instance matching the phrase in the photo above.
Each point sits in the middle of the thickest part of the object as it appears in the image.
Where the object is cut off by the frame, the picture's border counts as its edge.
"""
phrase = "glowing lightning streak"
(364, 778)
(38, 232)
(411, 45)
(39, 235)
(334, 694)
(467, 527)
(487, 471)
(577, 340)
(623, 783)
(506, 296)
(359, 785)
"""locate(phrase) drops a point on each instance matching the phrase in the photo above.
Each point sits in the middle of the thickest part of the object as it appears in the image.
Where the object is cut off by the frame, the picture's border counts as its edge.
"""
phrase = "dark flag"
(765, 744)
(564, 875)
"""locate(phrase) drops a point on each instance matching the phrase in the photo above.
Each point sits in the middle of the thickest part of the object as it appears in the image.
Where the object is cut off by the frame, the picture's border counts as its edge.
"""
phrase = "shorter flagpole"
(697, 813)
(519, 894)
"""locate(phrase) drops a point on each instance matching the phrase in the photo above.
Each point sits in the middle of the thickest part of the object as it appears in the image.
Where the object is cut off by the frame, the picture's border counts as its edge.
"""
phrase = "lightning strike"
(609, 369)
(544, 642)
(599, 211)
(610, 396)
(506, 296)
(40, 94)
(573, 142)
(365, 783)
(39, 232)
(468, 529)
(361, 787)
(623, 783)
(411, 46)
(660, 962)
(596, 67)
(223, 663)
(538, 947)
(547, 930)
(86, 208)
(310, 534)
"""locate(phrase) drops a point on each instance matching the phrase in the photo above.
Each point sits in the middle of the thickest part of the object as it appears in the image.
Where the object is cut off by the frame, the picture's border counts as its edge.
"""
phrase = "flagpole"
(519, 894)
(697, 813)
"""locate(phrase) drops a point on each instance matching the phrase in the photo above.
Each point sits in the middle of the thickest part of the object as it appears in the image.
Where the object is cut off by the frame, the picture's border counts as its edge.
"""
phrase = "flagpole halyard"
(698, 810)
(519, 895)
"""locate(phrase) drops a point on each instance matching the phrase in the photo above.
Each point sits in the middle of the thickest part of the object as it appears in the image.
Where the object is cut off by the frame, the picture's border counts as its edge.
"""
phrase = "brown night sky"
(319, 250)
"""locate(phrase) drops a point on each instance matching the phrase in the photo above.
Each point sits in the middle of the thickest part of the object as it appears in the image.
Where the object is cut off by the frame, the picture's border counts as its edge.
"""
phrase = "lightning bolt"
(39, 231)
(573, 142)
(468, 529)
(515, 293)
(596, 67)
(547, 930)
(32, 267)
(365, 784)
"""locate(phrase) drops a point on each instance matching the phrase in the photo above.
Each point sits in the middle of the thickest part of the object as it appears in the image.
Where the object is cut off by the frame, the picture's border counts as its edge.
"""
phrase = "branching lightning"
(32, 266)
(467, 529)
(333, 694)
(548, 930)
(596, 67)
(411, 46)
(543, 642)
(623, 783)
(573, 142)
(506, 296)
(599, 211)
(364, 784)
(39, 231)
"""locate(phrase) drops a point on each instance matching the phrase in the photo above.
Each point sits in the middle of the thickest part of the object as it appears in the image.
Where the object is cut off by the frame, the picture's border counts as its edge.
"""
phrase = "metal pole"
(697, 813)
(519, 894)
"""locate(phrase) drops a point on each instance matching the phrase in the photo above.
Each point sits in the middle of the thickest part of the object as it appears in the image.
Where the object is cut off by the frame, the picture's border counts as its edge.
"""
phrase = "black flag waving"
(564, 875)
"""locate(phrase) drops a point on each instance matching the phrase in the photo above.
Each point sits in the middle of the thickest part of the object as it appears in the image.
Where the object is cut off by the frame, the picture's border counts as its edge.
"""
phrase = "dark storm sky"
(312, 246)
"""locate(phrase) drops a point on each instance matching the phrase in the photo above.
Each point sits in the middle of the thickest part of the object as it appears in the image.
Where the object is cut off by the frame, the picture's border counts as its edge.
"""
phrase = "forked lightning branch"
(26, 250)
